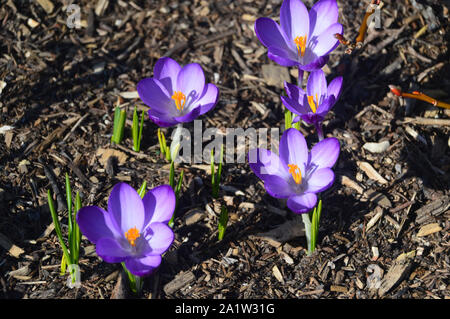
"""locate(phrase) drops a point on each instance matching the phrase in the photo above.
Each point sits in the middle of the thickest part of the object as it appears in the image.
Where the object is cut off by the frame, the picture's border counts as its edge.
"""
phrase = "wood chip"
(47, 5)
(275, 75)
(396, 273)
(377, 147)
(340, 289)
(371, 172)
(12, 249)
(374, 219)
(429, 229)
(351, 184)
(106, 153)
(101, 7)
(181, 280)
(276, 272)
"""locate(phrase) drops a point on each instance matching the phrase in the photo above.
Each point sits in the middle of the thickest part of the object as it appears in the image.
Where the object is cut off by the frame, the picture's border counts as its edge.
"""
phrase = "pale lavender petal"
(111, 251)
(294, 19)
(143, 266)
(323, 14)
(293, 149)
(159, 237)
(282, 57)
(326, 41)
(155, 95)
(166, 71)
(159, 204)
(209, 98)
(317, 85)
(126, 207)
(335, 87)
(270, 34)
(278, 187)
(320, 180)
(303, 203)
(95, 223)
(264, 163)
(191, 81)
(325, 153)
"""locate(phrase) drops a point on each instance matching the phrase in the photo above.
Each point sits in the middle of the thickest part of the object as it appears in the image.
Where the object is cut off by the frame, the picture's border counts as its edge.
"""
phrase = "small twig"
(52, 179)
(419, 96)
(75, 126)
(374, 4)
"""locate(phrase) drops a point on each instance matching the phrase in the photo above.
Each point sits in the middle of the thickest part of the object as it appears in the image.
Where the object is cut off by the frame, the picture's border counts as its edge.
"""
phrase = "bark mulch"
(384, 228)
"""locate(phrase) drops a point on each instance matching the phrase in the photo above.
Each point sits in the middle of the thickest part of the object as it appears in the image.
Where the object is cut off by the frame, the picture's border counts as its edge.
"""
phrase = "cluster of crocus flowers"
(296, 174)
(302, 38)
(177, 94)
(313, 105)
(133, 230)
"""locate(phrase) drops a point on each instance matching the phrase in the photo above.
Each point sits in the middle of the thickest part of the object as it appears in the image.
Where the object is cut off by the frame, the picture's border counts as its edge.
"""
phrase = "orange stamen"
(296, 173)
(311, 103)
(180, 99)
(301, 45)
(131, 235)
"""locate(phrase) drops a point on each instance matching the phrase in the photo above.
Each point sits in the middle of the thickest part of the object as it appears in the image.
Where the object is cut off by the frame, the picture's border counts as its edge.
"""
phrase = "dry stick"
(419, 96)
(362, 30)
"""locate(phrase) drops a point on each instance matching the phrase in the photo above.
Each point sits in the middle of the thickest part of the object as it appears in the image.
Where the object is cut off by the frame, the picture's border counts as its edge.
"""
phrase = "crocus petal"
(294, 19)
(161, 120)
(296, 119)
(126, 207)
(191, 81)
(317, 85)
(166, 71)
(293, 106)
(282, 57)
(143, 266)
(293, 149)
(270, 34)
(323, 14)
(159, 237)
(111, 251)
(209, 98)
(335, 87)
(278, 187)
(159, 204)
(189, 117)
(326, 106)
(325, 153)
(314, 63)
(320, 180)
(95, 223)
(155, 95)
(264, 163)
(312, 118)
(294, 102)
(303, 203)
(326, 41)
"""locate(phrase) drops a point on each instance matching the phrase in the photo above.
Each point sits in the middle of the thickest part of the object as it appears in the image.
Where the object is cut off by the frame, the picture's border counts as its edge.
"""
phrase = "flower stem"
(307, 222)
(136, 282)
(319, 131)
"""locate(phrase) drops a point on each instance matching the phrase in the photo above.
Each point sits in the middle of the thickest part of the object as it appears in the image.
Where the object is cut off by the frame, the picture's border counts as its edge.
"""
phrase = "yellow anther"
(311, 103)
(180, 99)
(296, 173)
(131, 235)
(301, 45)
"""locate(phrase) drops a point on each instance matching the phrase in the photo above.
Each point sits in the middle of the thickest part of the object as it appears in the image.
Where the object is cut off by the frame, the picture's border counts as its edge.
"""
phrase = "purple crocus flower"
(303, 39)
(296, 174)
(133, 230)
(176, 94)
(313, 105)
